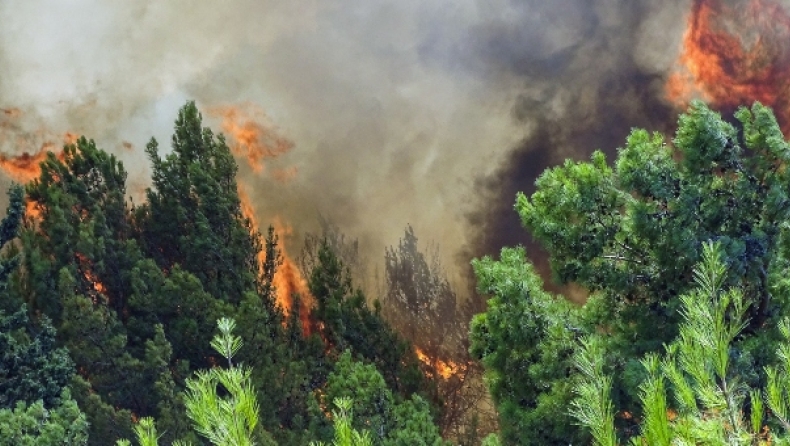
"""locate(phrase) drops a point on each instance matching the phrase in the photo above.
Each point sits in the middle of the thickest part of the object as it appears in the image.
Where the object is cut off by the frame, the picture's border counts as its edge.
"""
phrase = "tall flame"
(253, 138)
(288, 279)
(734, 53)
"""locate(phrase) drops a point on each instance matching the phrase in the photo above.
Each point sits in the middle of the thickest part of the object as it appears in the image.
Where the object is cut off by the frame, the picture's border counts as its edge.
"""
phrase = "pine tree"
(193, 214)
(33, 424)
(420, 297)
(389, 419)
(36, 407)
(345, 435)
(711, 402)
(348, 323)
(221, 402)
(526, 340)
(422, 306)
(32, 367)
(631, 235)
(9, 228)
(83, 226)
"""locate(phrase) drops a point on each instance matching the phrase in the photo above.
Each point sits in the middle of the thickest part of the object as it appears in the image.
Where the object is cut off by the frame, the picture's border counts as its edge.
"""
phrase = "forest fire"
(444, 369)
(26, 167)
(87, 272)
(255, 139)
(32, 149)
(288, 280)
(735, 53)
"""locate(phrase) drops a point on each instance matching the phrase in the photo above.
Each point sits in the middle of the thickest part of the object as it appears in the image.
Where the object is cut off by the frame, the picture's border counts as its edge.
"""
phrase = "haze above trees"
(109, 309)
(109, 312)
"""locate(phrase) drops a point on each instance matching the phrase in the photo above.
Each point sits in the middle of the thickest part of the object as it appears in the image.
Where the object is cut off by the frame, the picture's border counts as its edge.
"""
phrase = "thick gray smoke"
(429, 113)
(593, 70)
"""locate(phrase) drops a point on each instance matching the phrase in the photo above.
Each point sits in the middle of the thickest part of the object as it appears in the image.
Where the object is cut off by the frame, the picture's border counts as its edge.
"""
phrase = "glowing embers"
(444, 369)
(86, 267)
(734, 53)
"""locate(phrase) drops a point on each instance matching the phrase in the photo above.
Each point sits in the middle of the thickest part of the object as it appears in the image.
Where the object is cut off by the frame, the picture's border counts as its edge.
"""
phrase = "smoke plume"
(590, 71)
(429, 113)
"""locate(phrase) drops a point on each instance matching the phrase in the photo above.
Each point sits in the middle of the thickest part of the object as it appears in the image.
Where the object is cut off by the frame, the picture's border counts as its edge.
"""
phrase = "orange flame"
(87, 272)
(288, 279)
(32, 146)
(256, 138)
(442, 368)
(735, 53)
(26, 167)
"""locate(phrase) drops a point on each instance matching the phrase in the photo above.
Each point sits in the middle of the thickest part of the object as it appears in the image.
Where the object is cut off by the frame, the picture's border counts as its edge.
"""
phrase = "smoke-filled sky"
(424, 112)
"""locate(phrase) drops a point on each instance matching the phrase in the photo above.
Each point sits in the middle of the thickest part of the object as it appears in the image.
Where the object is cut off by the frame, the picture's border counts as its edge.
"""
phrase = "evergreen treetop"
(631, 234)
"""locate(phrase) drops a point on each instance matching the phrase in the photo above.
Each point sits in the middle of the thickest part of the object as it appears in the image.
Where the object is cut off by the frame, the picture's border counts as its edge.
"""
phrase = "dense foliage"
(128, 297)
(108, 310)
(36, 407)
(631, 234)
(710, 404)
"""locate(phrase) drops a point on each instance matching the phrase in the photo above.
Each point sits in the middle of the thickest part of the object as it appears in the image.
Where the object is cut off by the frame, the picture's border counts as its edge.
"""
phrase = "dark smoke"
(583, 90)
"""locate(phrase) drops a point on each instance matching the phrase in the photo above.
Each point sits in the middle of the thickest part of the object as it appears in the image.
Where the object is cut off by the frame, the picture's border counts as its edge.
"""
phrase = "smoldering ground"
(400, 112)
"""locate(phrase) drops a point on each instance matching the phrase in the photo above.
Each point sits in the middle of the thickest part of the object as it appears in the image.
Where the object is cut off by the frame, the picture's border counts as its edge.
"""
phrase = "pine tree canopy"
(108, 312)
(631, 233)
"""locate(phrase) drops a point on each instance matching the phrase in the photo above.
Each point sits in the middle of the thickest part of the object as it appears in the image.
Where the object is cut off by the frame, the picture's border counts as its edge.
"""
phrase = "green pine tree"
(193, 213)
(388, 418)
(692, 394)
(344, 434)
(631, 235)
(33, 424)
(36, 407)
(348, 323)
(526, 342)
(221, 402)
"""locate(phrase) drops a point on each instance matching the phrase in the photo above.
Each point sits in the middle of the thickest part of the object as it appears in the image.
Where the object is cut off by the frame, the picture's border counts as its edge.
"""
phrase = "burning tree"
(134, 291)
(109, 274)
(419, 298)
(423, 307)
(347, 323)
